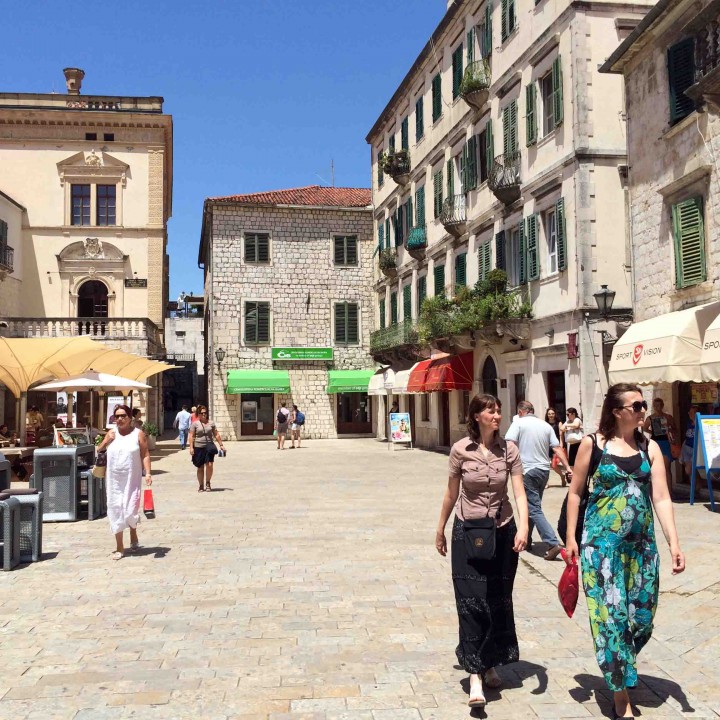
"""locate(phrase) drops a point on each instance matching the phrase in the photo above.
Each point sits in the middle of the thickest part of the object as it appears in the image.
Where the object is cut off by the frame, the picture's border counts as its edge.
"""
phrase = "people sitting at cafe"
(6, 435)
(59, 423)
(34, 419)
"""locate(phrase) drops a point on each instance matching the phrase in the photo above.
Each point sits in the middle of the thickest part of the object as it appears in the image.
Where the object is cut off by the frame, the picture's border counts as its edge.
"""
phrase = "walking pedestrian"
(661, 427)
(572, 433)
(137, 418)
(193, 414)
(297, 420)
(127, 455)
(202, 448)
(620, 562)
(536, 439)
(686, 454)
(182, 423)
(282, 419)
(479, 467)
(552, 419)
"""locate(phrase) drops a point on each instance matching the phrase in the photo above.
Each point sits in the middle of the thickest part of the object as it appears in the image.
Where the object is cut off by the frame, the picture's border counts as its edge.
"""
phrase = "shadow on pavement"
(157, 552)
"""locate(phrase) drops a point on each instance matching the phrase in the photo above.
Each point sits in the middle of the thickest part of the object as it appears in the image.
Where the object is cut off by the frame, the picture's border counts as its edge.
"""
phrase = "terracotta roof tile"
(311, 195)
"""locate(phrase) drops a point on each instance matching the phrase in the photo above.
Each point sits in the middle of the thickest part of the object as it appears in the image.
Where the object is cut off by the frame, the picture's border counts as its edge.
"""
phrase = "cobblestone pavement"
(307, 587)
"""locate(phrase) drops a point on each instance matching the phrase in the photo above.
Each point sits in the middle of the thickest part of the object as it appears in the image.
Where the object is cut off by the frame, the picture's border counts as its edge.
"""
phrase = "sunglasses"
(637, 406)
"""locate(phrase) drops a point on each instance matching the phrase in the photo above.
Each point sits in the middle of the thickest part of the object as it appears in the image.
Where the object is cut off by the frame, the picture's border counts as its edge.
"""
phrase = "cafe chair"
(10, 531)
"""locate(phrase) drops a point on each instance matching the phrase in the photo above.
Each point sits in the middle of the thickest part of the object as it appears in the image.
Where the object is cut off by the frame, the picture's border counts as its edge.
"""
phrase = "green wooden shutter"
(471, 46)
(405, 134)
(562, 254)
(681, 75)
(382, 314)
(263, 322)
(407, 306)
(380, 173)
(472, 168)
(689, 232)
(461, 270)
(533, 253)
(463, 170)
(421, 292)
(419, 119)
(387, 232)
(438, 192)
(391, 145)
(457, 70)
(353, 324)
(500, 250)
(340, 323)
(522, 259)
(439, 280)
(487, 31)
(484, 253)
(436, 97)
(450, 179)
(557, 82)
(513, 127)
(420, 207)
(393, 308)
(506, 130)
(489, 146)
(251, 322)
(381, 237)
(409, 215)
(531, 115)
(3, 232)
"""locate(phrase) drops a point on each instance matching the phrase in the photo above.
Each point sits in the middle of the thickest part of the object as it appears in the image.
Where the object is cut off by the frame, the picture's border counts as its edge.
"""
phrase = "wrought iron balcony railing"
(504, 178)
(475, 85)
(454, 214)
(392, 337)
(7, 258)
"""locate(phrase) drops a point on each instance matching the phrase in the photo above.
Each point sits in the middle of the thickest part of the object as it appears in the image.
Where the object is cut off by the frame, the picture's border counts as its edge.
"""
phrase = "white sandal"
(117, 555)
(492, 679)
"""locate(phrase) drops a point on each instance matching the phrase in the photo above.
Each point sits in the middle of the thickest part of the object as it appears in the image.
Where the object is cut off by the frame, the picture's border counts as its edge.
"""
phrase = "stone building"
(671, 69)
(85, 196)
(289, 309)
(503, 147)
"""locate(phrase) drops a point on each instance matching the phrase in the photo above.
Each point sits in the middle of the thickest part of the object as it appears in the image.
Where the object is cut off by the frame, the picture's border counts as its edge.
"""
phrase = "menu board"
(707, 453)
(400, 427)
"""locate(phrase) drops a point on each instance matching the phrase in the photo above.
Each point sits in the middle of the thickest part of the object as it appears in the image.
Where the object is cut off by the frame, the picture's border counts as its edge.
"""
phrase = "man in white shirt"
(182, 423)
(535, 438)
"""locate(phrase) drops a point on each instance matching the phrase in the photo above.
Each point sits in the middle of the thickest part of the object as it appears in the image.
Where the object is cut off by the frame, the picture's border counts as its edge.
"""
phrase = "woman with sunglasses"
(202, 448)
(620, 561)
(127, 455)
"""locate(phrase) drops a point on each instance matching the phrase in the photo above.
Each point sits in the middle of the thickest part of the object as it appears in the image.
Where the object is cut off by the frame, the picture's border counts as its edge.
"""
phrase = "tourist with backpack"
(296, 423)
(282, 420)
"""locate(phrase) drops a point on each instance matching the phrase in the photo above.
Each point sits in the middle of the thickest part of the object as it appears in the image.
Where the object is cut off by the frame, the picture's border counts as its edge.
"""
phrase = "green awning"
(257, 381)
(348, 381)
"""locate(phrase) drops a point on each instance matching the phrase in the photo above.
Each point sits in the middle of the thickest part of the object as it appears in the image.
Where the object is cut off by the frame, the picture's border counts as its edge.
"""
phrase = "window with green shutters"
(471, 46)
(257, 323)
(421, 292)
(681, 75)
(407, 302)
(510, 130)
(508, 22)
(562, 253)
(533, 251)
(462, 161)
(393, 308)
(399, 222)
(557, 80)
(391, 144)
(405, 134)
(500, 250)
(471, 165)
(380, 173)
(408, 216)
(521, 254)
(381, 311)
(489, 146)
(460, 271)
(484, 260)
(450, 178)
(347, 327)
(387, 233)
(381, 236)
(439, 280)
(436, 97)
(420, 207)
(530, 114)
(346, 250)
(486, 32)
(419, 119)
(457, 70)
(437, 193)
(689, 236)
(257, 248)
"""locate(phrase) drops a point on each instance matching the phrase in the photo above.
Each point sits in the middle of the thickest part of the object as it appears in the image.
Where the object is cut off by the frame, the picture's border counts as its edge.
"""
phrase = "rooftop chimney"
(73, 80)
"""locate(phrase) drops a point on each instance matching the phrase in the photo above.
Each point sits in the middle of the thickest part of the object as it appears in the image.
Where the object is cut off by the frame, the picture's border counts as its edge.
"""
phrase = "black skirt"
(202, 455)
(483, 596)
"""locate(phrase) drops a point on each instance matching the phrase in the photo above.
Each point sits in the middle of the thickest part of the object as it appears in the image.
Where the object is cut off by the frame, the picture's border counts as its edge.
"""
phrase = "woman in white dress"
(127, 454)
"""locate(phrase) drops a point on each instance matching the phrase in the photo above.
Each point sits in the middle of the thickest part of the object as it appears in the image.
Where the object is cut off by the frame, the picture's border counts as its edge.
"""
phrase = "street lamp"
(604, 299)
(219, 355)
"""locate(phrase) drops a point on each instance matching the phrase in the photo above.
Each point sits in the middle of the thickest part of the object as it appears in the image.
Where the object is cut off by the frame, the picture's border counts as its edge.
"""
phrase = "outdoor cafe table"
(17, 453)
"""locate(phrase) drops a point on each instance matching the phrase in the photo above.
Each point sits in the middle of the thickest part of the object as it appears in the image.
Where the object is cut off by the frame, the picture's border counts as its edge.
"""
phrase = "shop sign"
(704, 393)
(400, 428)
(135, 282)
(302, 353)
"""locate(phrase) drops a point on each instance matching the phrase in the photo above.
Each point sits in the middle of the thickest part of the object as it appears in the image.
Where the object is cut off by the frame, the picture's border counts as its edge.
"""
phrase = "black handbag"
(562, 520)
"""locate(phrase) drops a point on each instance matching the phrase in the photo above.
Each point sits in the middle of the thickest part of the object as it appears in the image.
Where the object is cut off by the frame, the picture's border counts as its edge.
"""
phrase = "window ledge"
(677, 187)
(680, 126)
(549, 279)
(545, 139)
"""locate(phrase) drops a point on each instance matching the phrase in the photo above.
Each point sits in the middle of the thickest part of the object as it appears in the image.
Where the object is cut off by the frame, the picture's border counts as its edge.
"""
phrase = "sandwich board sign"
(706, 454)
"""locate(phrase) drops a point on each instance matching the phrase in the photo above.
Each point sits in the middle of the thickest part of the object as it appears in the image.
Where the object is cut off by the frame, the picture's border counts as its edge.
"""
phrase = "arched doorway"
(489, 377)
(93, 300)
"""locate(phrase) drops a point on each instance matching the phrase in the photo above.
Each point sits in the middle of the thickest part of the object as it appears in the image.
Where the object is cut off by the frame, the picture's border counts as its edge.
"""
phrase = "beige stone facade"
(302, 285)
(557, 160)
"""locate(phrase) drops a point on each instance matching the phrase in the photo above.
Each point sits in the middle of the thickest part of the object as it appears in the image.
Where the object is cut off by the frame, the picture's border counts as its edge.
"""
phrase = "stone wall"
(301, 283)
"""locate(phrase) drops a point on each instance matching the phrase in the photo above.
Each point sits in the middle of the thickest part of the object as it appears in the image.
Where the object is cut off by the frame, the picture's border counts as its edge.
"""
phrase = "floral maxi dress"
(620, 565)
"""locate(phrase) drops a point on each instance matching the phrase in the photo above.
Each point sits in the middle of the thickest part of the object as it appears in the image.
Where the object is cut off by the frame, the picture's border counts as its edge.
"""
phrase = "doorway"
(93, 300)
(489, 378)
(444, 400)
(257, 414)
(556, 392)
(411, 410)
(354, 414)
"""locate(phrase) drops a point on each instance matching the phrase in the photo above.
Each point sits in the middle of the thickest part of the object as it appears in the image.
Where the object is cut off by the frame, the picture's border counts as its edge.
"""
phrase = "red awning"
(416, 383)
(450, 373)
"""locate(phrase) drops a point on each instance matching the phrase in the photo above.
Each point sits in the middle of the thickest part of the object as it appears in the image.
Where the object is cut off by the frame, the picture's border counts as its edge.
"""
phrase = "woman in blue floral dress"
(620, 562)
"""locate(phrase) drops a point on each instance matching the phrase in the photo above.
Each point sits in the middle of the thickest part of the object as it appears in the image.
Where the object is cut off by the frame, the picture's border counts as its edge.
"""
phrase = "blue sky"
(264, 93)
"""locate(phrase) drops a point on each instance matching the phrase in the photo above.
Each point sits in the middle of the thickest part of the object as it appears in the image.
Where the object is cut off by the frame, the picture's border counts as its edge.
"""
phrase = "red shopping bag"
(148, 504)
(569, 586)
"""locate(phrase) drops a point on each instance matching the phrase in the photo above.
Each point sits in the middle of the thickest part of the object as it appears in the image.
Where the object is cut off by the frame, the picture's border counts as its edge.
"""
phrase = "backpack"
(282, 418)
(300, 417)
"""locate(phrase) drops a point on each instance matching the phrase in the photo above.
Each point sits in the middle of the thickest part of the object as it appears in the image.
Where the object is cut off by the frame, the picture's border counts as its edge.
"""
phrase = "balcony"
(454, 215)
(475, 85)
(394, 344)
(397, 166)
(504, 178)
(417, 242)
(7, 257)
(706, 28)
(388, 262)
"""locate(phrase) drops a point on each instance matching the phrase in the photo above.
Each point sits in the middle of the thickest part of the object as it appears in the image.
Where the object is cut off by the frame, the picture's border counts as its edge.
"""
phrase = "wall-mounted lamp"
(604, 299)
(550, 334)
(219, 355)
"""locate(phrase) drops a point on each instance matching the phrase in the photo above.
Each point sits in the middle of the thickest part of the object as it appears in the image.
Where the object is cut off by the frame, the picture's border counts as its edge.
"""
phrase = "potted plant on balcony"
(151, 430)
(475, 85)
(388, 262)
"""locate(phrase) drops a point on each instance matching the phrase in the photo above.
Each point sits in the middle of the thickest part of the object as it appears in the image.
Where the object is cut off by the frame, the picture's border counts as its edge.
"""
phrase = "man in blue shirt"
(182, 423)
(535, 438)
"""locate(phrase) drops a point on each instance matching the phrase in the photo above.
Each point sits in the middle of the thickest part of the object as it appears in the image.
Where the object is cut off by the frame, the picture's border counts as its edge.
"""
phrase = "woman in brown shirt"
(477, 487)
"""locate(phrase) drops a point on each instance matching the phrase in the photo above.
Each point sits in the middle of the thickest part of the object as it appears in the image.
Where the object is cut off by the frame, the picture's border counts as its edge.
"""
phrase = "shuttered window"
(509, 19)
(380, 173)
(681, 75)
(257, 323)
(408, 216)
(557, 81)
(471, 165)
(393, 308)
(421, 292)
(489, 146)
(346, 324)
(521, 251)
(437, 193)
(399, 221)
(382, 314)
(457, 70)
(381, 237)
(407, 302)
(405, 134)
(257, 248)
(530, 114)
(387, 232)
(439, 280)
(436, 97)
(486, 32)
(471, 46)
(461, 270)
(420, 207)
(419, 119)
(510, 133)
(484, 259)
(562, 253)
(500, 250)
(391, 144)
(689, 235)
(346, 250)
(533, 252)
(450, 178)
(3, 232)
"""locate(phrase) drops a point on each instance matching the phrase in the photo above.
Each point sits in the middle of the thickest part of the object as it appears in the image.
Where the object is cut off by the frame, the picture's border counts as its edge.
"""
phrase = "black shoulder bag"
(562, 520)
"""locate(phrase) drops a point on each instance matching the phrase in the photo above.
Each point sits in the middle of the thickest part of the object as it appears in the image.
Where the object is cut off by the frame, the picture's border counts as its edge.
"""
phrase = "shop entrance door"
(257, 414)
(444, 401)
(354, 415)
(411, 410)
(556, 392)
